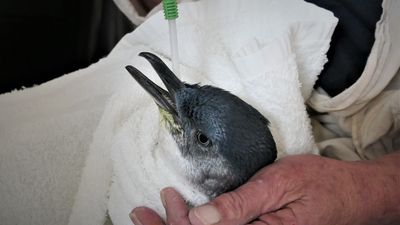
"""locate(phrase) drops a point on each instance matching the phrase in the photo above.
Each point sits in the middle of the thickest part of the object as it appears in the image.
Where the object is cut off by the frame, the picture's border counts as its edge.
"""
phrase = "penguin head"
(224, 139)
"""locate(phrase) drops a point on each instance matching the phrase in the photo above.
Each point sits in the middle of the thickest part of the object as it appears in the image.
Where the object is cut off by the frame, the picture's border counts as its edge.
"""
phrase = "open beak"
(164, 99)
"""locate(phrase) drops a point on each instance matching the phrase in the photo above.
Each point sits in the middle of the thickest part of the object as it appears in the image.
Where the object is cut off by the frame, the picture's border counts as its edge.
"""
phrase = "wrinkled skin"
(303, 190)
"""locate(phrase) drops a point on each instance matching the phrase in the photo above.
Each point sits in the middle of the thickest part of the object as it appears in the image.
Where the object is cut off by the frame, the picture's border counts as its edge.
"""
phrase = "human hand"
(302, 189)
(175, 206)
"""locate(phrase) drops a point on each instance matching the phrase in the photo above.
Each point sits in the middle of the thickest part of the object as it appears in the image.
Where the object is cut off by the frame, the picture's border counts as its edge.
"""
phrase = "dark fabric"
(41, 40)
(351, 42)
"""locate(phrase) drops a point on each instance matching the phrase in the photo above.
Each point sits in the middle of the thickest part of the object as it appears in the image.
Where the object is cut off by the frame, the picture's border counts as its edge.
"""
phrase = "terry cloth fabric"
(363, 120)
(91, 142)
(45, 134)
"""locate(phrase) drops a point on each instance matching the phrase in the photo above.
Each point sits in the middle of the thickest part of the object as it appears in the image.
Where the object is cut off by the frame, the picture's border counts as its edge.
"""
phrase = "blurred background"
(45, 39)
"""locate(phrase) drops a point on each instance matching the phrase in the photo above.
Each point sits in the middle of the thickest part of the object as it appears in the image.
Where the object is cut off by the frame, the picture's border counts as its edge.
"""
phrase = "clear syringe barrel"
(173, 38)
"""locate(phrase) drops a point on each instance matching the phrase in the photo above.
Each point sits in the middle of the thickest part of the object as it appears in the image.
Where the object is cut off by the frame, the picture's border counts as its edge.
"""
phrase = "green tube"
(170, 9)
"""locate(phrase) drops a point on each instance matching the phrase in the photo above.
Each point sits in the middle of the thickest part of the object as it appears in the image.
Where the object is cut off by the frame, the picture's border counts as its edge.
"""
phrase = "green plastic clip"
(170, 9)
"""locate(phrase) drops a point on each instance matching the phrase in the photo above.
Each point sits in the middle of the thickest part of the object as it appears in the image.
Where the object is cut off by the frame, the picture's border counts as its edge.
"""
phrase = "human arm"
(304, 189)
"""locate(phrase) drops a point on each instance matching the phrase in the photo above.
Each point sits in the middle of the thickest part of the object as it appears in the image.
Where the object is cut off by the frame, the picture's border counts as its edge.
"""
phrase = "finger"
(238, 207)
(283, 216)
(175, 206)
(258, 222)
(271, 219)
(145, 216)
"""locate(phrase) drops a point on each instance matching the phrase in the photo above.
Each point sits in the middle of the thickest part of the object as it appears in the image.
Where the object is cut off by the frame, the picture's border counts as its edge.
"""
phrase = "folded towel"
(86, 153)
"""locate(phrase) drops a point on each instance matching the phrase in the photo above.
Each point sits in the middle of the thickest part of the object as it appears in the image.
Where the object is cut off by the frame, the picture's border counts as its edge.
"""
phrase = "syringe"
(170, 14)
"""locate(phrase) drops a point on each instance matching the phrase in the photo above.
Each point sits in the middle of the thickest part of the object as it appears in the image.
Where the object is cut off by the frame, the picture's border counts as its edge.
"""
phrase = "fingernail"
(207, 214)
(134, 218)
(162, 196)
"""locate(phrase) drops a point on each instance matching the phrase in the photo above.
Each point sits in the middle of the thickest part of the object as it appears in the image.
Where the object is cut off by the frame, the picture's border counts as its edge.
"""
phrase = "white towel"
(267, 52)
(45, 134)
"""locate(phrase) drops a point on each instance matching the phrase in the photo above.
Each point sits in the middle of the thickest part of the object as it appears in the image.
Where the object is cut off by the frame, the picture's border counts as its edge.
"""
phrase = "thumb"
(237, 207)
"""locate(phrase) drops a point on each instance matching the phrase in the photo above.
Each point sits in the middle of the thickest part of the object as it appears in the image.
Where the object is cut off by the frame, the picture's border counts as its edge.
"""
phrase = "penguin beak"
(164, 99)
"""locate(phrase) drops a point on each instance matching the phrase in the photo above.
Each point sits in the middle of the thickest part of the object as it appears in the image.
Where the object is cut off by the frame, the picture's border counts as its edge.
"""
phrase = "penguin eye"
(202, 139)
